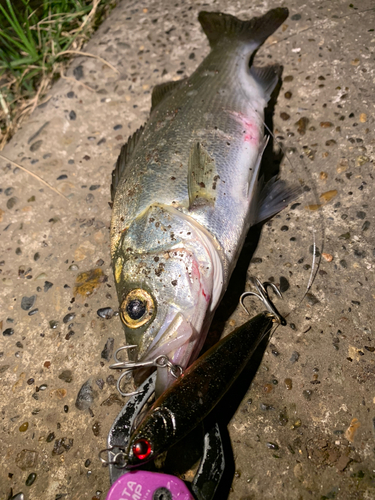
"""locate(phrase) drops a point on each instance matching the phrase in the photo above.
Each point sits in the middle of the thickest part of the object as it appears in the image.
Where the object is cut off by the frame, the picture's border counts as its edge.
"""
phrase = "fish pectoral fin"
(161, 91)
(267, 77)
(202, 177)
(126, 152)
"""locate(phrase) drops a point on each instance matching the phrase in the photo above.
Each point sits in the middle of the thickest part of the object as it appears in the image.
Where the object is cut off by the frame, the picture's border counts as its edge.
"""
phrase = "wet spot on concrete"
(66, 376)
(311, 299)
(78, 72)
(28, 302)
(326, 124)
(11, 203)
(34, 136)
(27, 459)
(294, 357)
(61, 445)
(328, 196)
(51, 436)
(100, 383)
(69, 317)
(108, 349)
(36, 145)
(88, 282)
(105, 312)
(111, 400)
(302, 125)
(86, 396)
(266, 407)
(96, 427)
(288, 384)
(272, 446)
(352, 429)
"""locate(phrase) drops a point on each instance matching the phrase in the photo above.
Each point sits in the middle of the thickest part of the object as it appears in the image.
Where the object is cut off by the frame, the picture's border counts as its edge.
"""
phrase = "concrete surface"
(306, 427)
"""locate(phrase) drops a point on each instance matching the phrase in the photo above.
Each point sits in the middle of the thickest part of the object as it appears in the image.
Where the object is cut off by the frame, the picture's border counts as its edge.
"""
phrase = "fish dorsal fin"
(202, 177)
(126, 152)
(163, 89)
(218, 26)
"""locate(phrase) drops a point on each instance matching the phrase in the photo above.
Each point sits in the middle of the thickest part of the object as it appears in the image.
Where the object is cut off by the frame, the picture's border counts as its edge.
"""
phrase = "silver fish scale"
(213, 108)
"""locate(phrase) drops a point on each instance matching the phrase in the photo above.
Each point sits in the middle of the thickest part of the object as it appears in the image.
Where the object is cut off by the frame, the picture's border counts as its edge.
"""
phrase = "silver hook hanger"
(262, 295)
(119, 458)
(161, 361)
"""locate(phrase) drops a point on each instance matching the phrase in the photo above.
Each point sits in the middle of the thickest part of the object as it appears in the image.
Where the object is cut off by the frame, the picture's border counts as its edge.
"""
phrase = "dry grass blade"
(87, 54)
(33, 175)
(90, 15)
(5, 109)
(34, 102)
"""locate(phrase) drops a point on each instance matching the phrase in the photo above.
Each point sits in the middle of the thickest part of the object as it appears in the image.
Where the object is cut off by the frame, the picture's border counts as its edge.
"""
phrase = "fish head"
(164, 278)
(163, 300)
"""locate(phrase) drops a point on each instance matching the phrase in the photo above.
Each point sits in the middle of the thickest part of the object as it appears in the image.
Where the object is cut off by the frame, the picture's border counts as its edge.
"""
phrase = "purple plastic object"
(143, 485)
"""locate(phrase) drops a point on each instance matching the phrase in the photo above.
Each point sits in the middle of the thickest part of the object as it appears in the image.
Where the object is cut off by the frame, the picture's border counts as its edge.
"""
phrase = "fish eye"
(137, 308)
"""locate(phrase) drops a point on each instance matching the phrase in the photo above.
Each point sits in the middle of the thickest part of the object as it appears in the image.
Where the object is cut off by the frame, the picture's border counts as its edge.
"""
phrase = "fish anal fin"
(163, 90)
(267, 77)
(126, 152)
(275, 196)
(202, 177)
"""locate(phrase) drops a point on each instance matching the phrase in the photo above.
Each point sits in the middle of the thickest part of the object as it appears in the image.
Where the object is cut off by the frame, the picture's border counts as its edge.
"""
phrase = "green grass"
(32, 37)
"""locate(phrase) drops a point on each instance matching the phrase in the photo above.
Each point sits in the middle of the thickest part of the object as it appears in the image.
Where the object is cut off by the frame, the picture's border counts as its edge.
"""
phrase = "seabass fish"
(186, 189)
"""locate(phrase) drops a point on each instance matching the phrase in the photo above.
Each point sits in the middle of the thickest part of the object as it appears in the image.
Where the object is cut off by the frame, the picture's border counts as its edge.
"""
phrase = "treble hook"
(263, 296)
(161, 361)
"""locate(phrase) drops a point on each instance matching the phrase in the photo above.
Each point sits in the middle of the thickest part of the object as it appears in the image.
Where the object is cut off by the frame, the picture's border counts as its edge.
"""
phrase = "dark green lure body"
(193, 396)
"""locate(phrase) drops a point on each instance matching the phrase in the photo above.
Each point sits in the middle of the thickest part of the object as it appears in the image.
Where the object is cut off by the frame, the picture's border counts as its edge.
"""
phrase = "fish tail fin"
(275, 196)
(218, 26)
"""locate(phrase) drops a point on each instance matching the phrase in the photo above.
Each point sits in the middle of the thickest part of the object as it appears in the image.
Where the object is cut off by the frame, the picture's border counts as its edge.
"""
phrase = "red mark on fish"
(251, 131)
(207, 296)
(195, 273)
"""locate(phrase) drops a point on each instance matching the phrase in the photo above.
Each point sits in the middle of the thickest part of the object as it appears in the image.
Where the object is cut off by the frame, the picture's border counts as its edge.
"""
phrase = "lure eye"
(137, 308)
(142, 449)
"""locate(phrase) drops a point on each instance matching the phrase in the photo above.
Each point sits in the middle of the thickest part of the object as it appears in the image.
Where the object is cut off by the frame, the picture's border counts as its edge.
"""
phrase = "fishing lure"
(198, 390)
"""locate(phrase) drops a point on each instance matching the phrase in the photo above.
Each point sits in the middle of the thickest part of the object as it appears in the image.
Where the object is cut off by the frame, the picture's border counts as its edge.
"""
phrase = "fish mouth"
(175, 342)
(176, 332)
